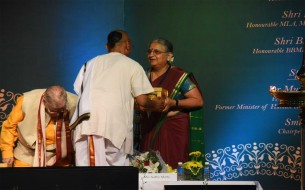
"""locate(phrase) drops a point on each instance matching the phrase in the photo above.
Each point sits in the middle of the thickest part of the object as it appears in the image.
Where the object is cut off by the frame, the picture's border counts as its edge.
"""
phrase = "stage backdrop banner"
(236, 50)
(45, 43)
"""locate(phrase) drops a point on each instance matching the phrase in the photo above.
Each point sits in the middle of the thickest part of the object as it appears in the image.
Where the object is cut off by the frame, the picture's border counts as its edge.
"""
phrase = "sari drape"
(174, 138)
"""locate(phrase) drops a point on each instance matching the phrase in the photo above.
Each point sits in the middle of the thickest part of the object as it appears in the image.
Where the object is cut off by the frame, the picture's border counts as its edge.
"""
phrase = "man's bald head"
(55, 97)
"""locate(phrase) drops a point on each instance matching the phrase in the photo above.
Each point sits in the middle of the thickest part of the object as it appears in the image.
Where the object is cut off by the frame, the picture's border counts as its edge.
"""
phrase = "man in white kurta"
(107, 86)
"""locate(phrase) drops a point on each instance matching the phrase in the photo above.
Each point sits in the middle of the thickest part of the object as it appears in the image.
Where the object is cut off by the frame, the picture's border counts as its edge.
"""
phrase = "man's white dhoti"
(105, 153)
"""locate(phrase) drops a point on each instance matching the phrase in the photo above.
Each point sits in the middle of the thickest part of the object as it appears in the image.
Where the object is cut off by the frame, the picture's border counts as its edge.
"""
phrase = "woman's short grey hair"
(166, 43)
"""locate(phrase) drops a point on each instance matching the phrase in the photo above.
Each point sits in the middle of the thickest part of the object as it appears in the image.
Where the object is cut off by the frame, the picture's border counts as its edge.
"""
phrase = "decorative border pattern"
(255, 159)
(7, 102)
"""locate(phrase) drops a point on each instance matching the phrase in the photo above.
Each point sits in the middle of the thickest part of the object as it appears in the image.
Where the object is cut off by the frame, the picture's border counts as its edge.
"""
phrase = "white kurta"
(110, 84)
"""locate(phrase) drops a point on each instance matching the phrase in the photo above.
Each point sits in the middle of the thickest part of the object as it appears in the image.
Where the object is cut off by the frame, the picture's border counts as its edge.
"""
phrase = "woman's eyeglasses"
(155, 51)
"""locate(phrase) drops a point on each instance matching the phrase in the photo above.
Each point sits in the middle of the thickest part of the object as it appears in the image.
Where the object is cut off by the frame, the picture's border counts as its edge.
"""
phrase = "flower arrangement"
(193, 168)
(147, 162)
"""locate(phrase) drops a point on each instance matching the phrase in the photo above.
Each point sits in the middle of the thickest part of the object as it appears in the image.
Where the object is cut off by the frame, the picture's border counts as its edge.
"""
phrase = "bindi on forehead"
(158, 46)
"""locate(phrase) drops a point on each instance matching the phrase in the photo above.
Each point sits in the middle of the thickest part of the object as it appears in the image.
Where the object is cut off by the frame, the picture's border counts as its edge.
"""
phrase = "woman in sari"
(169, 132)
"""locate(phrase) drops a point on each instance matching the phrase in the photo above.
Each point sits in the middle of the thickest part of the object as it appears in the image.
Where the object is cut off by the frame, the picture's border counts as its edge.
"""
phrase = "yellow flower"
(196, 154)
(195, 164)
(170, 169)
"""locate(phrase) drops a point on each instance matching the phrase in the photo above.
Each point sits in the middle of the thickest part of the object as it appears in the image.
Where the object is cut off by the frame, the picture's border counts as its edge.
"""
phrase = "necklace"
(164, 76)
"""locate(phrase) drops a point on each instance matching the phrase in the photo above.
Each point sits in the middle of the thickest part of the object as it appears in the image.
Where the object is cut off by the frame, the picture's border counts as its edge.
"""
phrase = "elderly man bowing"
(39, 121)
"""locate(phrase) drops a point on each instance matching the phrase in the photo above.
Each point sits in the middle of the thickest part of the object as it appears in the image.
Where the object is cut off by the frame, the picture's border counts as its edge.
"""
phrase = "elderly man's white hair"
(56, 96)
